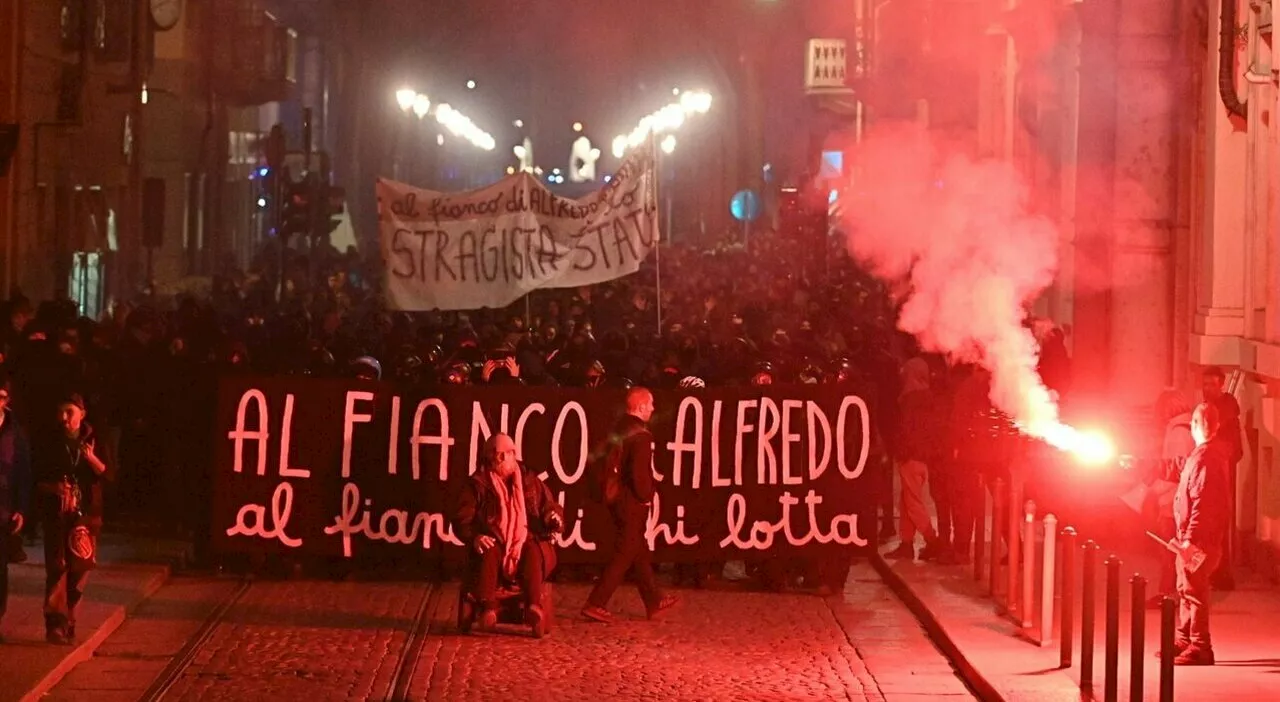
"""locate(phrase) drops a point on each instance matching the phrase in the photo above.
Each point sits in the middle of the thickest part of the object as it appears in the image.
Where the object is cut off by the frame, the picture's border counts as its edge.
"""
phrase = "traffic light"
(330, 203)
(295, 211)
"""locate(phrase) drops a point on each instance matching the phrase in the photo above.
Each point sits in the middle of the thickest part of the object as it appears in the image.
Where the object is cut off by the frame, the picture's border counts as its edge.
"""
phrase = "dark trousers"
(1168, 560)
(630, 553)
(63, 589)
(968, 502)
(4, 581)
(530, 573)
(883, 476)
(942, 488)
(1193, 609)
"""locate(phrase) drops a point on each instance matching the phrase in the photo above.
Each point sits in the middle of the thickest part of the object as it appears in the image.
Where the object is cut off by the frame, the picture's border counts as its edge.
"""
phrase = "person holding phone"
(69, 474)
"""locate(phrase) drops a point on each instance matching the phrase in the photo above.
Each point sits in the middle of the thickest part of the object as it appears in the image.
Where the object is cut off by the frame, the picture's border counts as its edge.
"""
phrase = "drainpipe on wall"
(1227, 62)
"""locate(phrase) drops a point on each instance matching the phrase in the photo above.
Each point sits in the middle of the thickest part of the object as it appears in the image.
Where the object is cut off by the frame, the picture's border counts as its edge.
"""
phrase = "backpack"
(605, 472)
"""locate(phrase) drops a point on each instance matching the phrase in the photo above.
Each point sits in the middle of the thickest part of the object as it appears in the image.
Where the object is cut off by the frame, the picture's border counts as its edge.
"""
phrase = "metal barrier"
(1014, 535)
(1059, 566)
(1111, 656)
(1047, 580)
(1137, 635)
(1088, 612)
(1067, 628)
(1026, 607)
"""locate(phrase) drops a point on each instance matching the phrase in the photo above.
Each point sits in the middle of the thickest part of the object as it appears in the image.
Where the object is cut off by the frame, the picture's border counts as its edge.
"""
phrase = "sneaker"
(1195, 655)
(664, 604)
(940, 555)
(488, 620)
(57, 637)
(906, 551)
(536, 620)
(1178, 647)
(598, 614)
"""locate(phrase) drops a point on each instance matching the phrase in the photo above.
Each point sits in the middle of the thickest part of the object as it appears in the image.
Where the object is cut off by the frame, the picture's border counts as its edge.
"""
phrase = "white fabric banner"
(488, 247)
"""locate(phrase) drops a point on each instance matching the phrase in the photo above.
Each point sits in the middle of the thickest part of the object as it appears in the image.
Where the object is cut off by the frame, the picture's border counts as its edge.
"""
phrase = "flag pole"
(657, 240)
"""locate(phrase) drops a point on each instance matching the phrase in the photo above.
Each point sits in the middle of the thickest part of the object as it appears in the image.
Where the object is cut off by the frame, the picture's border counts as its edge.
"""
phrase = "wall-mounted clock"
(166, 13)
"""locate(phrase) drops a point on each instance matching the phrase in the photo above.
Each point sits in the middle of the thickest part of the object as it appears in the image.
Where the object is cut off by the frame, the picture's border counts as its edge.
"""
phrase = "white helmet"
(690, 382)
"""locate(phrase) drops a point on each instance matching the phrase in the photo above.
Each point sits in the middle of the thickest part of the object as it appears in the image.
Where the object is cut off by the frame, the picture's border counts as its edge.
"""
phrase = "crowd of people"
(782, 311)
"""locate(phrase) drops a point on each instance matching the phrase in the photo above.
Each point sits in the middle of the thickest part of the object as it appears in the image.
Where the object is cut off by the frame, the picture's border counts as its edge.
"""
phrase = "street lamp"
(668, 119)
(421, 105)
(577, 126)
(668, 143)
(471, 85)
(405, 98)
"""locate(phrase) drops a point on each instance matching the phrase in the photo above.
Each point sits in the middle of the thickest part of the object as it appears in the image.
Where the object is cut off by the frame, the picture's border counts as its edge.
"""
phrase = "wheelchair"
(511, 608)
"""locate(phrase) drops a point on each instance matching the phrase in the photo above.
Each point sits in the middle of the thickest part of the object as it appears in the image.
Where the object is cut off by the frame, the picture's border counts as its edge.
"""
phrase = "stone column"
(1126, 186)
(1145, 205)
(1219, 258)
(1095, 185)
(12, 14)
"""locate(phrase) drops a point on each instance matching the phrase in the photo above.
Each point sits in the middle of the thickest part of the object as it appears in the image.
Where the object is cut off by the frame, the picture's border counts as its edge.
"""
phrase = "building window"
(71, 22)
(112, 29)
(86, 283)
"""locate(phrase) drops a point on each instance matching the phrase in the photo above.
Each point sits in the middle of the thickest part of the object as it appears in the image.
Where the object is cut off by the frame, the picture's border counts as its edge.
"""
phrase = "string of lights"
(457, 123)
(666, 119)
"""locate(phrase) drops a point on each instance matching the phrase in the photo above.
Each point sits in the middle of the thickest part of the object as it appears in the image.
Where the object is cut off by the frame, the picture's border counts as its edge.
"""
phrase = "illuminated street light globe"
(405, 98)
(619, 146)
(421, 105)
(471, 85)
(577, 126)
(668, 143)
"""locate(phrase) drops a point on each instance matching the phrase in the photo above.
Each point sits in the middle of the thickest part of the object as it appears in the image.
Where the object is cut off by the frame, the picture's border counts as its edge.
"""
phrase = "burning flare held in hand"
(957, 236)
(1088, 447)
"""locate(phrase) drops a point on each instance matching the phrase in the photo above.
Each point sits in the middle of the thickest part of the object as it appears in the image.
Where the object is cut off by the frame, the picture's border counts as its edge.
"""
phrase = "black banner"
(360, 470)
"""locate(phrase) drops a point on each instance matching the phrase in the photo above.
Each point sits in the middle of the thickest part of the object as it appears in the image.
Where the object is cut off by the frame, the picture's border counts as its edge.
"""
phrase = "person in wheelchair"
(507, 517)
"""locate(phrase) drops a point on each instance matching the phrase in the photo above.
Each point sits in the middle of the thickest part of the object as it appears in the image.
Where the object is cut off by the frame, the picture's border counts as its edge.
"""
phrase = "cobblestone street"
(313, 641)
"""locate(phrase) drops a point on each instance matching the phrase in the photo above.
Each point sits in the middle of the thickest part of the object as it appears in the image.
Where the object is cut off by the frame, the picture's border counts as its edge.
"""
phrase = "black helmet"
(366, 368)
(763, 374)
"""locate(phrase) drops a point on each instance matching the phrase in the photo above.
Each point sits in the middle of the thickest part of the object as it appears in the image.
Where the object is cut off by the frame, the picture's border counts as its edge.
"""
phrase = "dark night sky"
(605, 63)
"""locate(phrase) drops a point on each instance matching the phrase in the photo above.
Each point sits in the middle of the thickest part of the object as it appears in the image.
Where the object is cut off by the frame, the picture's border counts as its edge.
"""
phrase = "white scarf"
(513, 521)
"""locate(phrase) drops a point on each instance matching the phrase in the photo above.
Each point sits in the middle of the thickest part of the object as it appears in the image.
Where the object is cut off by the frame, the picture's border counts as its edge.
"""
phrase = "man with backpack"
(623, 471)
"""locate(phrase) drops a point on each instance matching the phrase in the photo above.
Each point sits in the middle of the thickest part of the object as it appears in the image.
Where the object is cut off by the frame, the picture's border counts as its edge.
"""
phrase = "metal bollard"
(1015, 546)
(1137, 635)
(1028, 565)
(1111, 671)
(1067, 628)
(997, 514)
(1168, 624)
(980, 537)
(1088, 613)
(1046, 580)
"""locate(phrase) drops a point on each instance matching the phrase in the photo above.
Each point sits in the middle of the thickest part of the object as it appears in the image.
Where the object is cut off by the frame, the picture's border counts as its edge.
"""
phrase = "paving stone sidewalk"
(1244, 621)
(130, 570)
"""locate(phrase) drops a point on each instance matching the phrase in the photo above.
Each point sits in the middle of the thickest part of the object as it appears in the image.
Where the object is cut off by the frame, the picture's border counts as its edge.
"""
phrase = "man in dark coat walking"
(15, 489)
(631, 516)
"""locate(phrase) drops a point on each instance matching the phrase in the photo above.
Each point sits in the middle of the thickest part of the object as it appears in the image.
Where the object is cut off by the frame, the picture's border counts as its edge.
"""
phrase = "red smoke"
(957, 236)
